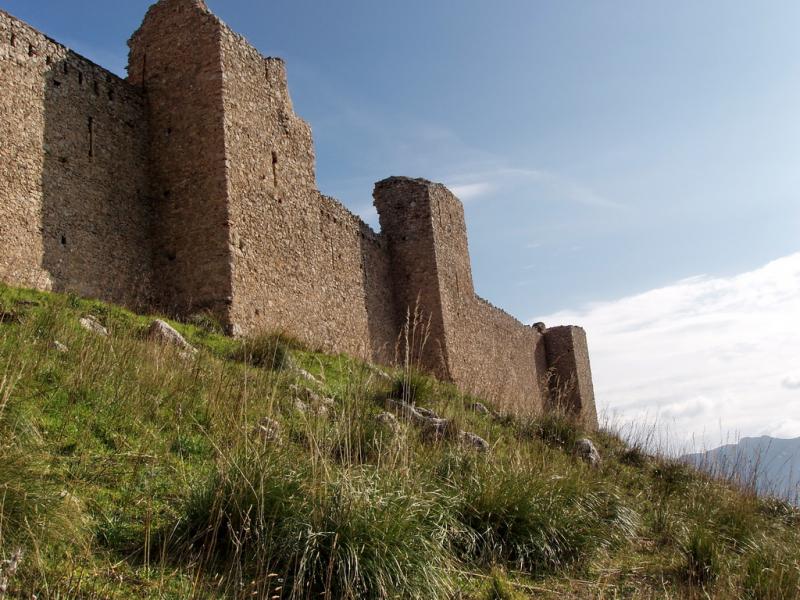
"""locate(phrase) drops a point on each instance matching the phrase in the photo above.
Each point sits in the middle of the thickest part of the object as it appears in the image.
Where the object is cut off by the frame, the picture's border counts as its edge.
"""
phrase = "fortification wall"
(496, 357)
(482, 349)
(175, 58)
(192, 187)
(490, 353)
(74, 210)
(302, 262)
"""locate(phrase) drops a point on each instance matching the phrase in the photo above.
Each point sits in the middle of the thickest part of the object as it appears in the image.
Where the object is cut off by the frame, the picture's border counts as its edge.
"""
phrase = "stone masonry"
(190, 187)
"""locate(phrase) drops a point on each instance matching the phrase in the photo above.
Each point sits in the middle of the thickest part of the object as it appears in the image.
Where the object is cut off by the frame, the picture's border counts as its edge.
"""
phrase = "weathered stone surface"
(75, 214)
(94, 326)
(426, 412)
(163, 332)
(405, 411)
(473, 441)
(482, 349)
(571, 386)
(587, 451)
(434, 430)
(191, 187)
(59, 347)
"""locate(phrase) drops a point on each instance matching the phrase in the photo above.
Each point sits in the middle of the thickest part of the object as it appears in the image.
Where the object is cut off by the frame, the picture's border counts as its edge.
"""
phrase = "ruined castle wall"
(302, 262)
(496, 357)
(175, 58)
(482, 349)
(490, 353)
(192, 186)
(74, 211)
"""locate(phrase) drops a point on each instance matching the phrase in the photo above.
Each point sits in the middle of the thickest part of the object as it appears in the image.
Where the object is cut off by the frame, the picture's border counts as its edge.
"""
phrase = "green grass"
(130, 471)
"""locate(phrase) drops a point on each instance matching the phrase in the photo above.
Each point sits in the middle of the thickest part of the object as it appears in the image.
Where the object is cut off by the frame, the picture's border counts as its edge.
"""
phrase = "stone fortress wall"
(191, 187)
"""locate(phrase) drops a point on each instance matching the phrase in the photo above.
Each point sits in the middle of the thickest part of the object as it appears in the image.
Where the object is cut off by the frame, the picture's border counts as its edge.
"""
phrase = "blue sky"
(603, 150)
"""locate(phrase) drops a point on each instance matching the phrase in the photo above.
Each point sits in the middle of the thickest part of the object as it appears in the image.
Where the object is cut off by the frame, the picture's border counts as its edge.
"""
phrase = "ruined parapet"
(570, 374)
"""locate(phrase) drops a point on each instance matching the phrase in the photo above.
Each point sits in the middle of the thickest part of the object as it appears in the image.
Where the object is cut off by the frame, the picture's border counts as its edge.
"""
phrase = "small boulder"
(435, 430)
(303, 374)
(300, 406)
(380, 373)
(163, 332)
(587, 452)
(269, 430)
(472, 441)
(403, 410)
(59, 347)
(92, 325)
(426, 412)
(388, 420)
(479, 408)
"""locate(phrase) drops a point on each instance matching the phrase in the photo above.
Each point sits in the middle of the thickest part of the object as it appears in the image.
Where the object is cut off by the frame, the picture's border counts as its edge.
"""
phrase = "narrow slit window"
(80, 78)
(13, 39)
(91, 137)
(275, 169)
(63, 240)
(31, 50)
(66, 69)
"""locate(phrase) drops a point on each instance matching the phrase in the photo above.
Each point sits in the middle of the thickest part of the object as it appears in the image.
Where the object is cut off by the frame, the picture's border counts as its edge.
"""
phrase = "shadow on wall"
(96, 216)
(383, 322)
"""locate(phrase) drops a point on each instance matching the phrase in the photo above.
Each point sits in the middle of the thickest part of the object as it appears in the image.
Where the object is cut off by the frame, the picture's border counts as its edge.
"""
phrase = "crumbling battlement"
(191, 187)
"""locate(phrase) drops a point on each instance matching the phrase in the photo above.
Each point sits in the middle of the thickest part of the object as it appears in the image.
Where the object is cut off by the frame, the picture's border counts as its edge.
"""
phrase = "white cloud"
(791, 382)
(707, 356)
(479, 182)
(469, 191)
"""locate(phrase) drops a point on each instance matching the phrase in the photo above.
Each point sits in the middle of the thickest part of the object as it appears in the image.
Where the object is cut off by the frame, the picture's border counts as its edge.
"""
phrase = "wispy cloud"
(710, 355)
(470, 191)
(553, 186)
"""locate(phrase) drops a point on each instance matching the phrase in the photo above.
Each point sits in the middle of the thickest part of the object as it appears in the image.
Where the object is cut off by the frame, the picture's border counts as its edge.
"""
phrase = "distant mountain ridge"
(769, 465)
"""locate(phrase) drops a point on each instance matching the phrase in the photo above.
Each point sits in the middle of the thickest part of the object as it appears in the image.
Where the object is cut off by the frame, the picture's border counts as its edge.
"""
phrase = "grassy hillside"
(260, 469)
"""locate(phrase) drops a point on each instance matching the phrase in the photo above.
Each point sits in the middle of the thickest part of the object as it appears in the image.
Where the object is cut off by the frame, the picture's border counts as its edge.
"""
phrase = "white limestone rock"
(472, 441)
(586, 451)
(92, 325)
(163, 332)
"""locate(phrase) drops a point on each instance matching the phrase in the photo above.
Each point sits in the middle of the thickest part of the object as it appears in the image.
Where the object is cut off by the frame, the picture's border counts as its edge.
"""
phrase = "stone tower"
(176, 58)
(425, 229)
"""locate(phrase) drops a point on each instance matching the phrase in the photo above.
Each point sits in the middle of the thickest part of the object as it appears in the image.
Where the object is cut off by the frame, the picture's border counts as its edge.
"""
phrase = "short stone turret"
(477, 346)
